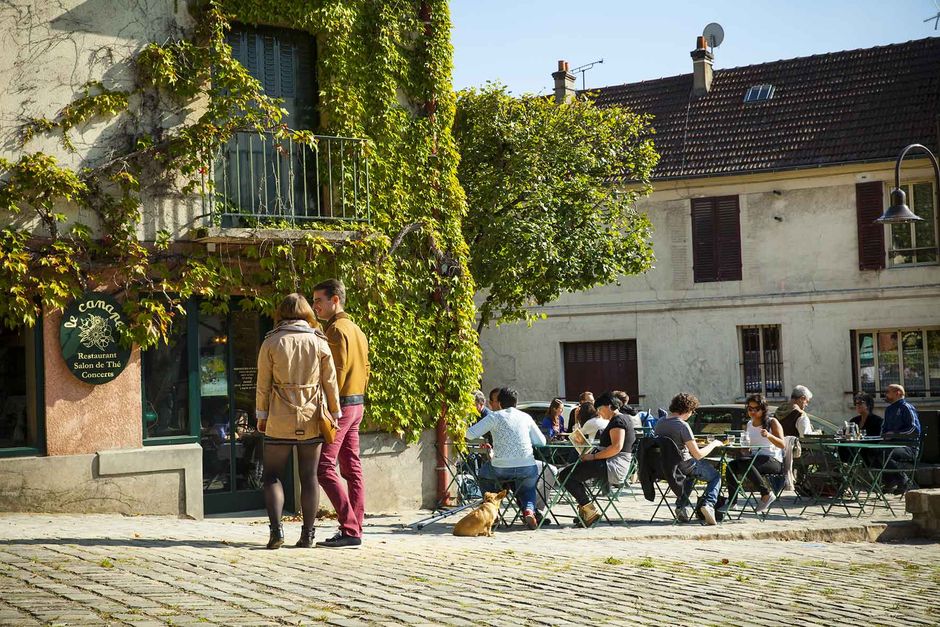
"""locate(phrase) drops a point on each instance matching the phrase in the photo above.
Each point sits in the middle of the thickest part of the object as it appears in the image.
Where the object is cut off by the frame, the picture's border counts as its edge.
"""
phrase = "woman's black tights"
(275, 460)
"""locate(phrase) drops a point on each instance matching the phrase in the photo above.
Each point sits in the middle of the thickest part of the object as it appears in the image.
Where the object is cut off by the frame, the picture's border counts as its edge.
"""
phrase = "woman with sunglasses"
(868, 423)
(766, 436)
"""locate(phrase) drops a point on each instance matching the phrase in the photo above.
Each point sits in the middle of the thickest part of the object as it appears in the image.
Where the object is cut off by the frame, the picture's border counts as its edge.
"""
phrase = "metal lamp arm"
(933, 162)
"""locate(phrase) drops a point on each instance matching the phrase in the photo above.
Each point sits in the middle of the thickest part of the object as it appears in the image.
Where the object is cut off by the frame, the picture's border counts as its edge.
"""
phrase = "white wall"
(48, 51)
(800, 272)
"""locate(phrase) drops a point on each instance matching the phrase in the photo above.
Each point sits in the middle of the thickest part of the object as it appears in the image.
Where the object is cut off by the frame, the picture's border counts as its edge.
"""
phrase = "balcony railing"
(262, 180)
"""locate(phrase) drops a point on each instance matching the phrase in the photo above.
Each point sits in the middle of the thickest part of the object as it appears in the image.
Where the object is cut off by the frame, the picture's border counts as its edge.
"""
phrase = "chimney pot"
(701, 69)
(564, 83)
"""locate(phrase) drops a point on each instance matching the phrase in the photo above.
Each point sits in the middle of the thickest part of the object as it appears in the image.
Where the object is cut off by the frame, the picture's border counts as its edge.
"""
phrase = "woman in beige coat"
(295, 375)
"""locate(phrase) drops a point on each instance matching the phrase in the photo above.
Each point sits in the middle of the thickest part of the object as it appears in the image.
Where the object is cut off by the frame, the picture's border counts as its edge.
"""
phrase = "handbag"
(325, 420)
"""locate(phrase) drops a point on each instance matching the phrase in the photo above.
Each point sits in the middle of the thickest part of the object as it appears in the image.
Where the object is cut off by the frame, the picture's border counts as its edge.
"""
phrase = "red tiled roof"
(841, 107)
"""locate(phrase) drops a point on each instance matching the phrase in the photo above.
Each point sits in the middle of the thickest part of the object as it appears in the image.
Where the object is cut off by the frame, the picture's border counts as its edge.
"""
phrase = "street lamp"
(899, 212)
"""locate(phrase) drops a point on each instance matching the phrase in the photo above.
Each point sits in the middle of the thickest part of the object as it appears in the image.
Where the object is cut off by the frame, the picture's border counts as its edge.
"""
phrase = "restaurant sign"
(90, 338)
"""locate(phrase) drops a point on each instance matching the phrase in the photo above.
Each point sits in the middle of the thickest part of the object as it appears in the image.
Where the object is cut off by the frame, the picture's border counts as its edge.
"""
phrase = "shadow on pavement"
(148, 543)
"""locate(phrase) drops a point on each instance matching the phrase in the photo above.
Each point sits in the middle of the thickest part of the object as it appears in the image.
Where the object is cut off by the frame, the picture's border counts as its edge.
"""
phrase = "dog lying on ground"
(480, 521)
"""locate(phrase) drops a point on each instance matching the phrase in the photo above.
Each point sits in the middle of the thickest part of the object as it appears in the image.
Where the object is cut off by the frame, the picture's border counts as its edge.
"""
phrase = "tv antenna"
(714, 34)
(935, 19)
(584, 68)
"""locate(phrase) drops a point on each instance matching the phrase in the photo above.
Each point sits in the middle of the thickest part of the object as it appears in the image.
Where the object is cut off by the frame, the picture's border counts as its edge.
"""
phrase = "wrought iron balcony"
(262, 180)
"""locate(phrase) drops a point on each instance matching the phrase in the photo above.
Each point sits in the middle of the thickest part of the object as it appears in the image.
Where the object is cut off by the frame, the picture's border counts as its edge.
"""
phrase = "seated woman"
(869, 424)
(763, 432)
(591, 423)
(553, 425)
(610, 463)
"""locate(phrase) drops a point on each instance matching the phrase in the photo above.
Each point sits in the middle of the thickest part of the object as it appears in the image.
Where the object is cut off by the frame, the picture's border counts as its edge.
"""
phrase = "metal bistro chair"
(819, 473)
(906, 470)
(606, 496)
(776, 484)
(655, 448)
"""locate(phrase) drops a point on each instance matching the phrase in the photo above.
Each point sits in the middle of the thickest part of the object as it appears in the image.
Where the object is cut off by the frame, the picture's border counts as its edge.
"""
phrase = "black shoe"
(276, 540)
(339, 541)
(306, 538)
(899, 488)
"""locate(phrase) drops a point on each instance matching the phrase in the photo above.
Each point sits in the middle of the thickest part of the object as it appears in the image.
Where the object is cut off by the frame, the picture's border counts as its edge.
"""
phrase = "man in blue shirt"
(514, 432)
(901, 423)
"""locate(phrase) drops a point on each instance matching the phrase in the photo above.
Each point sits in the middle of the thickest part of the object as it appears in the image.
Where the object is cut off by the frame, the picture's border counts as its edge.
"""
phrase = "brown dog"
(480, 521)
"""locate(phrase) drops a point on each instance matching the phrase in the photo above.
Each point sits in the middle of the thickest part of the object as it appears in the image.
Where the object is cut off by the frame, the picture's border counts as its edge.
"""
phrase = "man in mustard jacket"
(350, 350)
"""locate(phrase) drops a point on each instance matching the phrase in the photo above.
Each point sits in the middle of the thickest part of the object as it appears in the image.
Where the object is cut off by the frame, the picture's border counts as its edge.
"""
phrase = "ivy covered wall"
(383, 71)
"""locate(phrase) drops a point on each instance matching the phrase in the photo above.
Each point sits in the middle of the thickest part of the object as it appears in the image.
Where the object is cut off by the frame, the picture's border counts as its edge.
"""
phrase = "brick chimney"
(564, 83)
(701, 69)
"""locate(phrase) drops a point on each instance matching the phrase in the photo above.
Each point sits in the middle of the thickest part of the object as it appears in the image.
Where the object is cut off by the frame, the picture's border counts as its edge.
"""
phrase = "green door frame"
(192, 378)
(234, 500)
(238, 500)
(38, 329)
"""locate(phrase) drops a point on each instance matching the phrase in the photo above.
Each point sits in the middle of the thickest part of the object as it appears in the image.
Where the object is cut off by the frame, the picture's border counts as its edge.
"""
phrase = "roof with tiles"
(842, 107)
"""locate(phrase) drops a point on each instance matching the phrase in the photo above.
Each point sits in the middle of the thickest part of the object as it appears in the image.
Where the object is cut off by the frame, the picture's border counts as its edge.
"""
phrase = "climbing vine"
(383, 72)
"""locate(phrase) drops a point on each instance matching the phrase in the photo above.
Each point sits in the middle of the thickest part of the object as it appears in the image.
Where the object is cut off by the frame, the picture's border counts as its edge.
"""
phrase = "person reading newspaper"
(610, 462)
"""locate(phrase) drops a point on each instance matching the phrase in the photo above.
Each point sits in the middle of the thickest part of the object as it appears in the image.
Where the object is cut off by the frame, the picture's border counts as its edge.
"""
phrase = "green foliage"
(96, 101)
(409, 284)
(544, 215)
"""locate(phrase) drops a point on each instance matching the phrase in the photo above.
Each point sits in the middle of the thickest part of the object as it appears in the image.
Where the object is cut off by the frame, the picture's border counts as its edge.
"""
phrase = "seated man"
(901, 423)
(514, 432)
(693, 462)
(792, 415)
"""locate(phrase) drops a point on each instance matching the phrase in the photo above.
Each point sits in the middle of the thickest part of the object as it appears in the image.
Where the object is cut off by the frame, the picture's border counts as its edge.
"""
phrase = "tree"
(551, 193)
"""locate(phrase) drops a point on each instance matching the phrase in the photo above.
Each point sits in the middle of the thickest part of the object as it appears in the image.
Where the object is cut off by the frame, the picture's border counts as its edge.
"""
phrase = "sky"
(519, 42)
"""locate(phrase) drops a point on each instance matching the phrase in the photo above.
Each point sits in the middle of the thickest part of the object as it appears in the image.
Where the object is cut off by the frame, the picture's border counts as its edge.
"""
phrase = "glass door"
(232, 447)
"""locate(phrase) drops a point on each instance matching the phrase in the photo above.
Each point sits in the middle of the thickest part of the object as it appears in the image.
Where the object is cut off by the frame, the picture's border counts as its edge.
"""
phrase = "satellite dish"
(714, 34)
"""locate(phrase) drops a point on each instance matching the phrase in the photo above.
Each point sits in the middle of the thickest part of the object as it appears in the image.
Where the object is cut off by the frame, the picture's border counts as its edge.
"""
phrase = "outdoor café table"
(728, 453)
(858, 477)
(557, 455)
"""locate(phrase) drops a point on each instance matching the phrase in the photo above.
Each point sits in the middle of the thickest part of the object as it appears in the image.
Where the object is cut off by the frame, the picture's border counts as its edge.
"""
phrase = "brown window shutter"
(704, 260)
(728, 220)
(869, 205)
(716, 239)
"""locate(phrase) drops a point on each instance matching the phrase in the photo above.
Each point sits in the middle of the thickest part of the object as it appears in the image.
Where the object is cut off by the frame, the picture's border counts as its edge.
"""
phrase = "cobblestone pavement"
(103, 569)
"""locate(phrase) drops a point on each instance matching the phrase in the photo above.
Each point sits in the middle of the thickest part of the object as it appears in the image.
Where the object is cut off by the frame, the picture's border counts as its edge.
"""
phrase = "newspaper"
(579, 441)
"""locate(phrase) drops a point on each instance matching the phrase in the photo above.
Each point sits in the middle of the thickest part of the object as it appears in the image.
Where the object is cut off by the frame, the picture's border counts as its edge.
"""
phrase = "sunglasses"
(753, 408)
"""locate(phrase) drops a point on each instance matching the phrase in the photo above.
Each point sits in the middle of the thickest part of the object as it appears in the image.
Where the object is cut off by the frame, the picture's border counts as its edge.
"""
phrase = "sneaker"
(339, 541)
(763, 505)
(708, 513)
(684, 514)
(530, 521)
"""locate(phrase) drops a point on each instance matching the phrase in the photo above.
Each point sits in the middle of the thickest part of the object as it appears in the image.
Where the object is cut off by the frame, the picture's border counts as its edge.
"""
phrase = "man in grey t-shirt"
(693, 463)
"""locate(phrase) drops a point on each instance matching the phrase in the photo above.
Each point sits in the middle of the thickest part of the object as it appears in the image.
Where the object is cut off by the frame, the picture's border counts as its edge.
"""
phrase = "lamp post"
(899, 212)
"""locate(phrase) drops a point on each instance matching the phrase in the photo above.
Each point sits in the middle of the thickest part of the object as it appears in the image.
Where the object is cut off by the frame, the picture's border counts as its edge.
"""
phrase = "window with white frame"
(915, 243)
(910, 357)
(761, 362)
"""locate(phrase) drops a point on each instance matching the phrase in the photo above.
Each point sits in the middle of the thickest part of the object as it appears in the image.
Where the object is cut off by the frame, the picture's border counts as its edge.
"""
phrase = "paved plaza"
(104, 569)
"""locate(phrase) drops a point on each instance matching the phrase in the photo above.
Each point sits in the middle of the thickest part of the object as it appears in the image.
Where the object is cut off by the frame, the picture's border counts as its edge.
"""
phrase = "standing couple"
(299, 367)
